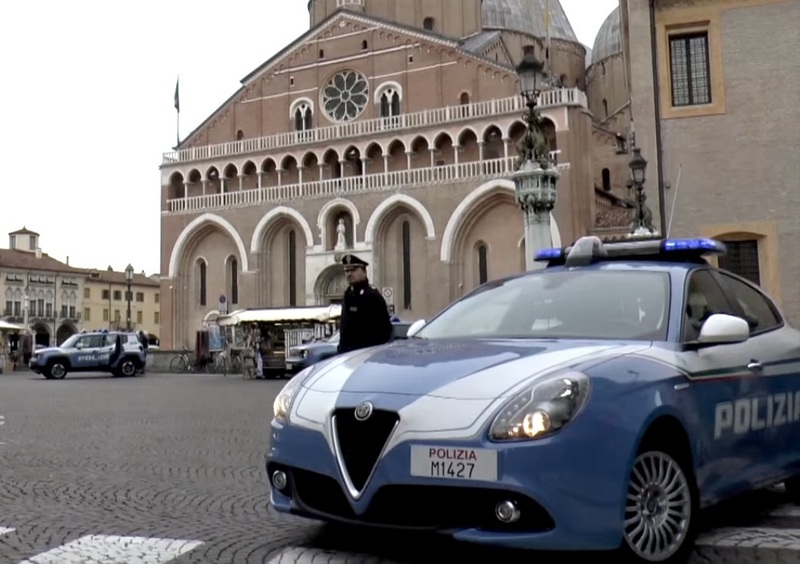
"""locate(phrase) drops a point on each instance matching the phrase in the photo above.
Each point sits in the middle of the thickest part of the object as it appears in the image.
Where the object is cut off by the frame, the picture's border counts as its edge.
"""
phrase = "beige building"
(717, 112)
(39, 290)
(105, 302)
(388, 129)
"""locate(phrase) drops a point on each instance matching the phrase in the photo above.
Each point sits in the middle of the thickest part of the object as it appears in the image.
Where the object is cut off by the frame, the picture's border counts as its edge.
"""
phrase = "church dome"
(528, 16)
(609, 38)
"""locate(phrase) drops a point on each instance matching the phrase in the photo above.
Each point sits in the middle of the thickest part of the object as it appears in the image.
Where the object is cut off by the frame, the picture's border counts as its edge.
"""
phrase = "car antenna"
(674, 198)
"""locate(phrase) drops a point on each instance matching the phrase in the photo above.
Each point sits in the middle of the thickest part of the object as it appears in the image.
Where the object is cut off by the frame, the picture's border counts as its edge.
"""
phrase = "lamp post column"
(128, 280)
(536, 175)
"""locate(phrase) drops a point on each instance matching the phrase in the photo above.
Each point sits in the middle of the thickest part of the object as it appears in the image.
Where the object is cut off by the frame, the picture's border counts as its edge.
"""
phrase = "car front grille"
(433, 508)
(361, 442)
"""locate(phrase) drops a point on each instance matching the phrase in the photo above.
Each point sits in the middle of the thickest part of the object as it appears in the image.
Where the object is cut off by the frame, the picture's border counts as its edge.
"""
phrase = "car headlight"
(542, 409)
(283, 401)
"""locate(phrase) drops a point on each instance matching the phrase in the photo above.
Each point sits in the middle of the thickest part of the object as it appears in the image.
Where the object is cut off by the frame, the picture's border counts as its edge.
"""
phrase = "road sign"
(388, 294)
(223, 305)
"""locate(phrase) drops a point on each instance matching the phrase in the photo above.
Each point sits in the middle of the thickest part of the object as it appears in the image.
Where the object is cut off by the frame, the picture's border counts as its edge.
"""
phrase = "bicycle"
(219, 363)
(183, 362)
(233, 363)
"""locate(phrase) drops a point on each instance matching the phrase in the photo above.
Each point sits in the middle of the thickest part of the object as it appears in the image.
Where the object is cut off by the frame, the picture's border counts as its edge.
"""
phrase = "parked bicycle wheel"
(178, 364)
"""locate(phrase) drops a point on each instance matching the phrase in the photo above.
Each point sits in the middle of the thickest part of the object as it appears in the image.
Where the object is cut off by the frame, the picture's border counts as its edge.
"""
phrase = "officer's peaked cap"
(353, 260)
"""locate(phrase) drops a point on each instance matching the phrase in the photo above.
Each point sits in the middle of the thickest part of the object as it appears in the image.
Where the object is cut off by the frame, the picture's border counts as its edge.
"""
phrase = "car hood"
(457, 369)
(48, 350)
(447, 390)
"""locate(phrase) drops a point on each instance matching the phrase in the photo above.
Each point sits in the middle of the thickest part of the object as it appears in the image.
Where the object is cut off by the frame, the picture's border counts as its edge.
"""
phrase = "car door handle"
(755, 366)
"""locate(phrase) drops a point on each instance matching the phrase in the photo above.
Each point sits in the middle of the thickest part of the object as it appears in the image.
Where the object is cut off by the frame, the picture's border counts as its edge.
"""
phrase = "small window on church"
(321, 53)
(302, 118)
(483, 264)
(464, 99)
(364, 45)
(239, 135)
(606, 180)
(605, 108)
(427, 23)
(390, 103)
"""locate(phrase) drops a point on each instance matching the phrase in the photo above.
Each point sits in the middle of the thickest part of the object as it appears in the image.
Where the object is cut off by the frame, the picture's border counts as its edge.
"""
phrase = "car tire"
(128, 367)
(659, 477)
(57, 369)
(793, 489)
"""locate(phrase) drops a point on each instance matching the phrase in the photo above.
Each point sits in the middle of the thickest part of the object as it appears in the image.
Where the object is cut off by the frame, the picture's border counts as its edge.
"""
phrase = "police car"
(119, 353)
(595, 404)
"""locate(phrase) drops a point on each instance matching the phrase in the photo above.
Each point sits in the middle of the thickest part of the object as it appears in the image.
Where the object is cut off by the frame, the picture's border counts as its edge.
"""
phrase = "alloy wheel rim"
(127, 368)
(658, 508)
(57, 371)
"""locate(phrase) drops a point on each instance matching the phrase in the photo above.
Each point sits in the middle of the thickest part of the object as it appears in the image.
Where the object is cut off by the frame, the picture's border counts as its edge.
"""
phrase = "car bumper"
(297, 365)
(35, 366)
(566, 500)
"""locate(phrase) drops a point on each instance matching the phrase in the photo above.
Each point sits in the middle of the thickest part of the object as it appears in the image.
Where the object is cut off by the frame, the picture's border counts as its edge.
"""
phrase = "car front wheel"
(659, 510)
(57, 370)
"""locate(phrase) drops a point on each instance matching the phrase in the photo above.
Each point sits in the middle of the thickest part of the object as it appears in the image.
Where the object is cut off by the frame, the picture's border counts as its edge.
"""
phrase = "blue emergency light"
(591, 249)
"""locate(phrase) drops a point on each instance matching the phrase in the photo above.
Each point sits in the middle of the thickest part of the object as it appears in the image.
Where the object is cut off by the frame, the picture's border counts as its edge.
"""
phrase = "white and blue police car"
(595, 404)
(117, 352)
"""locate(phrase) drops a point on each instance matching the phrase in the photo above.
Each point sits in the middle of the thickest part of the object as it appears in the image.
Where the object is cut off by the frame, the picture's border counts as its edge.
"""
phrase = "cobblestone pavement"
(171, 468)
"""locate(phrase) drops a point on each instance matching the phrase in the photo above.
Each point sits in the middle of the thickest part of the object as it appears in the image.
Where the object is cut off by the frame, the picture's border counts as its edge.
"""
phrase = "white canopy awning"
(6, 326)
(320, 314)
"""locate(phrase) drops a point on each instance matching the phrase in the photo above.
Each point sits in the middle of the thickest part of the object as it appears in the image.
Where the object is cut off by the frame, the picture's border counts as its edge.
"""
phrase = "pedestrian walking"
(145, 342)
(365, 316)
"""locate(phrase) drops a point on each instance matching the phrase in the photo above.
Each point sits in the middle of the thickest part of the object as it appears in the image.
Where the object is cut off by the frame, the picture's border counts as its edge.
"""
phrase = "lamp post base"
(643, 233)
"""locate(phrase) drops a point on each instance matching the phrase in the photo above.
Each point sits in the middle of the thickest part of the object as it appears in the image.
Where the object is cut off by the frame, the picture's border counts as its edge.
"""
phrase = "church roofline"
(341, 14)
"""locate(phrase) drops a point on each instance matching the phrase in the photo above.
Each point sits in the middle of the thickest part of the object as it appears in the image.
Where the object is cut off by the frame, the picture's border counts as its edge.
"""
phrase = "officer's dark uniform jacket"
(365, 318)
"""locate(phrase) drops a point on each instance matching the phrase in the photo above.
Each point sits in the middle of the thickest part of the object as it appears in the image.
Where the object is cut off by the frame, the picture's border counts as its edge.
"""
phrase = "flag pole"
(549, 42)
(178, 113)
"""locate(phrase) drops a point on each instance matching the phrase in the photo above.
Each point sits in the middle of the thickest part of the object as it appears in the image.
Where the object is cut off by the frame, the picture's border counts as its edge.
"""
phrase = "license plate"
(288, 366)
(454, 463)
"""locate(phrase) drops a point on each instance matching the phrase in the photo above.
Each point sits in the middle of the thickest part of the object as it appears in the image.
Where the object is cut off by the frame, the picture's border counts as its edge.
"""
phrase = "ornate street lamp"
(129, 279)
(642, 226)
(536, 176)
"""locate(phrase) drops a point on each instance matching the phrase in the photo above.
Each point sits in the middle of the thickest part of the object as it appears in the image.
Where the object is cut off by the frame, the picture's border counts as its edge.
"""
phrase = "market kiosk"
(264, 335)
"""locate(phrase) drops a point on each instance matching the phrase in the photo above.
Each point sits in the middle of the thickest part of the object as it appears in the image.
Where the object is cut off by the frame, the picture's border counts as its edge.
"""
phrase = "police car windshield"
(576, 304)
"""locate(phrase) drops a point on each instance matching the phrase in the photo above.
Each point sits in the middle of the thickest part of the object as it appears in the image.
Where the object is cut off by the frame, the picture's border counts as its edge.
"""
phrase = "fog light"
(507, 512)
(279, 479)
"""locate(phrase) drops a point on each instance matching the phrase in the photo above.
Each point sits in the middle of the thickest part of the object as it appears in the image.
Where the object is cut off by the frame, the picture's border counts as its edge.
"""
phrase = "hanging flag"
(177, 96)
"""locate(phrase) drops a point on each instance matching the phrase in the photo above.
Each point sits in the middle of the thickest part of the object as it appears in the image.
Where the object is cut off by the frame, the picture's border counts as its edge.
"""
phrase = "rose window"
(345, 96)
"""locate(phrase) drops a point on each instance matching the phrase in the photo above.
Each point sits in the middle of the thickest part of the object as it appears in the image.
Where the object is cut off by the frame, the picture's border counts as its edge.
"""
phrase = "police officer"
(365, 317)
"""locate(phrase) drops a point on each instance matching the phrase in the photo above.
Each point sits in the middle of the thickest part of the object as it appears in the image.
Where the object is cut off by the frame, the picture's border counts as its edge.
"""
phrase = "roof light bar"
(591, 248)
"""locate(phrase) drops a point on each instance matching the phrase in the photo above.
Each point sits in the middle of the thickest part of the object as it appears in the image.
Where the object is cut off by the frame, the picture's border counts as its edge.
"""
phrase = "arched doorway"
(42, 332)
(64, 332)
(330, 285)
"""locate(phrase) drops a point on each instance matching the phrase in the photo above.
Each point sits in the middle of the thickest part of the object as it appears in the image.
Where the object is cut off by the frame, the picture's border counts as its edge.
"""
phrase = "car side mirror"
(415, 327)
(79, 346)
(723, 329)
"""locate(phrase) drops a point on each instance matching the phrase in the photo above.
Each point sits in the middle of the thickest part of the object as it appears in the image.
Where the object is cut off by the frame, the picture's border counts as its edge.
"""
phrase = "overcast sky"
(87, 89)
